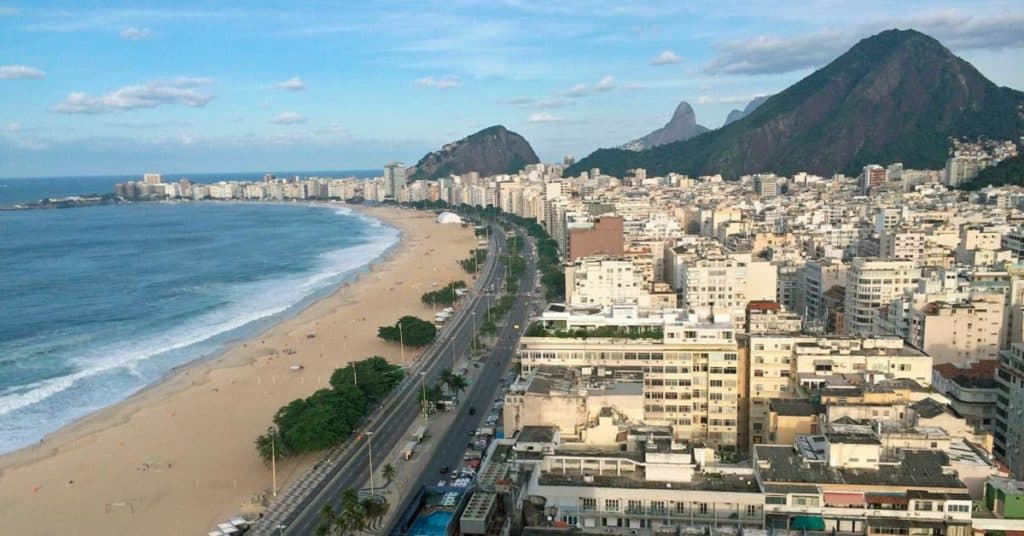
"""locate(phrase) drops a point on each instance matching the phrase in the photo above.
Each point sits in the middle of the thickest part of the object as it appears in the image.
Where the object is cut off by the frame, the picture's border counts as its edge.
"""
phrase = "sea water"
(98, 302)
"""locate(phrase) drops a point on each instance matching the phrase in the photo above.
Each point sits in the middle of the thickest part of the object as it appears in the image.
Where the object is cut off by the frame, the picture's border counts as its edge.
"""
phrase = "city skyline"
(129, 87)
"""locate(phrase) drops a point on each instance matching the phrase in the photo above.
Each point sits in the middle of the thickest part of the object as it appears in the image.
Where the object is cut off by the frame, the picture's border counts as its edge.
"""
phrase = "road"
(390, 424)
(484, 391)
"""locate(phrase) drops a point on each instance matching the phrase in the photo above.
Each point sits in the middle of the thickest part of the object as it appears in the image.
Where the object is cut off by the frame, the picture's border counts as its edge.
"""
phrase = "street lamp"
(423, 384)
(472, 317)
(401, 341)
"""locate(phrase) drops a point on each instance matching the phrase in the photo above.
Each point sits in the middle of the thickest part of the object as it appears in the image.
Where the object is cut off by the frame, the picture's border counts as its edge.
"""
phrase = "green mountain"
(491, 151)
(1007, 172)
(897, 96)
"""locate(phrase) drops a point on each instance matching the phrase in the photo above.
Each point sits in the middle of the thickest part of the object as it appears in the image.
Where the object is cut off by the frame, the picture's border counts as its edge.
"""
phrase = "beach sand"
(179, 457)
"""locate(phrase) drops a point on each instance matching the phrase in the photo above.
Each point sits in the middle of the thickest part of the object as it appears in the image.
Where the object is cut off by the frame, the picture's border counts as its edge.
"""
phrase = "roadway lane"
(391, 423)
(486, 388)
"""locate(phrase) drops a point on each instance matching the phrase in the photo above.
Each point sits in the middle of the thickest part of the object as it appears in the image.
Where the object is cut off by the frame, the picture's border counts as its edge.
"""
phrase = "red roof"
(982, 369)
(763, 305)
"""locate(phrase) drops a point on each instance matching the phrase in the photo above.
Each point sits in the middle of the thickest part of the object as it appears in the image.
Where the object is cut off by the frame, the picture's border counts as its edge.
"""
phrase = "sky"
(124, 87)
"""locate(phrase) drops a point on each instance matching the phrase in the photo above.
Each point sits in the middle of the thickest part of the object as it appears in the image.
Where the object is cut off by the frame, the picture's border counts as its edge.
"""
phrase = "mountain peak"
(491, 151)
(897, 96)
(682, 126)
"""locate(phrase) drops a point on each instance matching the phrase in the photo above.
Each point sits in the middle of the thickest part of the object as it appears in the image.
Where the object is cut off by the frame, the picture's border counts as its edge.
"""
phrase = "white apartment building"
(689, 365)
(871, 283)
(602, 282)
(726, 282)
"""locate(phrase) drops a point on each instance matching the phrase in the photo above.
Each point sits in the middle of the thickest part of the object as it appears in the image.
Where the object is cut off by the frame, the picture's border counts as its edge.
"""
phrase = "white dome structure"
(448, 217)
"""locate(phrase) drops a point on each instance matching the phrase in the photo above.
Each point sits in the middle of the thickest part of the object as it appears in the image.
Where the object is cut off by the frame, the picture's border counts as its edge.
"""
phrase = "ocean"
(96, 303)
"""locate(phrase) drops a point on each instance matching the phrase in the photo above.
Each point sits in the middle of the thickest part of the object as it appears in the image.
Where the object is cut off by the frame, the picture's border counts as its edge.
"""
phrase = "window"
(680, 507)
(657, 507)
(958, 507)
(775, 499)
(611, 505)
(805, 500)
(635, 506)
(588, 503)
(702, 508)
(924, 506)
(751, 510)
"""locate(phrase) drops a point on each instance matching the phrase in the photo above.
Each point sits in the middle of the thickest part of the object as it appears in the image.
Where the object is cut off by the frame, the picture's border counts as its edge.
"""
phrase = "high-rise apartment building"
(871, 283)
(394, 178)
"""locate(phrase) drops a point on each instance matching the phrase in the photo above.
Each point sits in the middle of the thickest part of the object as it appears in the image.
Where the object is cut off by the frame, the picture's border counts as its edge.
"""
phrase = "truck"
(472, 454)
(410, 449)
(485, 431)
(420, 432)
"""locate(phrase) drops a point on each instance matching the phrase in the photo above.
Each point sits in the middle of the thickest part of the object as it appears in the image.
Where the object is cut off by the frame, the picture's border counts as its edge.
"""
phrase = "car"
(472, 410)
(476, 365)
(444, 470)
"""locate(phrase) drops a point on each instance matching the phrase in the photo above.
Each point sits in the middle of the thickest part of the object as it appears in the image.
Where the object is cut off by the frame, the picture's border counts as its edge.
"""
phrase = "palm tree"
(445, 377)
(329, 522)
(353, 516)
(389, 473)
(457, 384)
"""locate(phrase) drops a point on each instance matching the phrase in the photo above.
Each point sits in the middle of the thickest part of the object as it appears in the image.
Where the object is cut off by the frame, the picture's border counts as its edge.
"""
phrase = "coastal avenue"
(483, 392)
(391, 422)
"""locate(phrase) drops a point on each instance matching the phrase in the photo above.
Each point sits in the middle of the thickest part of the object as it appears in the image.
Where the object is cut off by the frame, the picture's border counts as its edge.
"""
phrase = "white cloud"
(136, 34)
(292, 84)
(704, 99)
(15, 72)
(149, 95)
(8, 11)
(12, 127)
(604, 85)
(531, 102)
(667, 57)
(544, 117)
(767, 54)
(442, 83)
(956, 29)
(288, 118)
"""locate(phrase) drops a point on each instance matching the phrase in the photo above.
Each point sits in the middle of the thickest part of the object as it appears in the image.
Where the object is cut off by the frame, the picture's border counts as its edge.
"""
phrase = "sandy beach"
(178, 457)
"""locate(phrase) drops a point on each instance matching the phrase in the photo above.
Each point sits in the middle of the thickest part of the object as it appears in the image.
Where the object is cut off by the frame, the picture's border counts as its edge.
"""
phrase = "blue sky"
(126, 87)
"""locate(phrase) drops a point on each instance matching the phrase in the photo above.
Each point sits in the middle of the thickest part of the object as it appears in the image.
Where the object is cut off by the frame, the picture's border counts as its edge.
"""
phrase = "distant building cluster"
(823, 355)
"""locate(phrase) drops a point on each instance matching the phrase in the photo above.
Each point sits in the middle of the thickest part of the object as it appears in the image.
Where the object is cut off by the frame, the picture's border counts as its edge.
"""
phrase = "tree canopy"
(328, 416)
(413, 331)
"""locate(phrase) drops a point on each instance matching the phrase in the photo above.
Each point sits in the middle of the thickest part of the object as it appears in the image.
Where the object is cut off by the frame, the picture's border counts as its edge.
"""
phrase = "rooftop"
(537, 434)
(793, 407)
(918, 468)
(700, 481)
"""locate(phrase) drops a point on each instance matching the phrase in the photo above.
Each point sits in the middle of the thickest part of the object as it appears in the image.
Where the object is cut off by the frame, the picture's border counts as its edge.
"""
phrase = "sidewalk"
(408, 471)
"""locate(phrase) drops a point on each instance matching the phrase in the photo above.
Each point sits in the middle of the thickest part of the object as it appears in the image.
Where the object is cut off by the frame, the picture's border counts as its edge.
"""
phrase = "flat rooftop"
(636, 480)
(917, 468)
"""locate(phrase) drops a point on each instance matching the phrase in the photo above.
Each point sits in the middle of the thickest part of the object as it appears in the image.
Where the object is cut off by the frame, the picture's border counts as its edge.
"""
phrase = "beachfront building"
(843, 481)
(688, 363)
(643, 478)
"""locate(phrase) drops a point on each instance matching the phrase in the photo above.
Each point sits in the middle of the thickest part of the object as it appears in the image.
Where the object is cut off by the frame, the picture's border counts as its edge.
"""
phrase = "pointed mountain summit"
(682, 126)
(493, 150)
(736, 115)
(896, 96)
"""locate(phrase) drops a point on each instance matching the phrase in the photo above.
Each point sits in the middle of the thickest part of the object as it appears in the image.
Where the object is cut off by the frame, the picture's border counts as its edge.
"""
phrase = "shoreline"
(141, 428)
(241, 334)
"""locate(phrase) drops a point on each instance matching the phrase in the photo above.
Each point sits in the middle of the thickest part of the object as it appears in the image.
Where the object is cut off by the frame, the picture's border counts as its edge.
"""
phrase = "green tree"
(413, 331)
(388, 472)
(457, 384)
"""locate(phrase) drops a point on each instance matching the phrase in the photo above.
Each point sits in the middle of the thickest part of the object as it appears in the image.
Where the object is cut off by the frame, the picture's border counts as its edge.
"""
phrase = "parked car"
(472, 410)
(444, 470)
